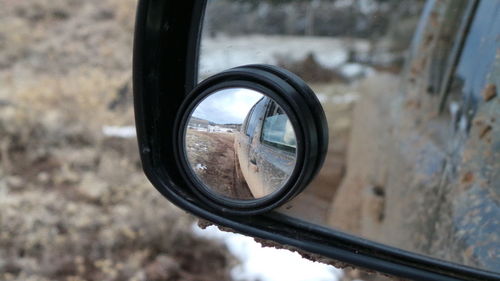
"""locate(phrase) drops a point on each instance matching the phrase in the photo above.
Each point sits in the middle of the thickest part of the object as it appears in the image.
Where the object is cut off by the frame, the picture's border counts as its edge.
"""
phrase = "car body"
(429, 176)
(265, 147)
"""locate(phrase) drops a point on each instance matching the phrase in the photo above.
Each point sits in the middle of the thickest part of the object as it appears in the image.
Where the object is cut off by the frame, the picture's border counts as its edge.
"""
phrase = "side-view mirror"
(250, 139)
(241, 148)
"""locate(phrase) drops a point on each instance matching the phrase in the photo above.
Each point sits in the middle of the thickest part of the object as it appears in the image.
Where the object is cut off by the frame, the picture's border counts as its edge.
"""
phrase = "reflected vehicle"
(266, 148)
(240, 144)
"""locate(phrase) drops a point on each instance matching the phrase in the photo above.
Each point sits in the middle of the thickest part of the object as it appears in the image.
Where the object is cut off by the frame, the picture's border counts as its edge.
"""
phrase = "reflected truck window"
(265, 147)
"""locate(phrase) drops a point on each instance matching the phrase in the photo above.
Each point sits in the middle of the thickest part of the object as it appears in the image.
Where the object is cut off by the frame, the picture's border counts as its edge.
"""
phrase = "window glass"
(449, 35)
(255, 116)
(277, 129)
(245, 122)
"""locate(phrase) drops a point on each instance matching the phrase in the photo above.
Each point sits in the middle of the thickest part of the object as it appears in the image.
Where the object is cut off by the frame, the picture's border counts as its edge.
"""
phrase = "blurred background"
(74, 203)
(343, 49)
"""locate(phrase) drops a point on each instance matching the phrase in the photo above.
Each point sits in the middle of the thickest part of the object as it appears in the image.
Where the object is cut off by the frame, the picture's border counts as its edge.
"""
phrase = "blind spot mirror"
(240, 144)
(250, 138)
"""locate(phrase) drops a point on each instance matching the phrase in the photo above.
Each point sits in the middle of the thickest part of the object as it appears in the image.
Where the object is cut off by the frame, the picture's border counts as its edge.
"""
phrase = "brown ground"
(314, 202)
(74, 203)
(215, 151)
(358, 206)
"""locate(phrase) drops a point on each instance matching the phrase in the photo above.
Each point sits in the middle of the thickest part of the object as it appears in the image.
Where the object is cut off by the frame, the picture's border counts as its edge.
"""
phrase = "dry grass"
(74, 204)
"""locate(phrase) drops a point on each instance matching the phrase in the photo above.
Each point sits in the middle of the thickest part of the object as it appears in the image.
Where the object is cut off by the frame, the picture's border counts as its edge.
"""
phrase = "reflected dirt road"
(212, 158)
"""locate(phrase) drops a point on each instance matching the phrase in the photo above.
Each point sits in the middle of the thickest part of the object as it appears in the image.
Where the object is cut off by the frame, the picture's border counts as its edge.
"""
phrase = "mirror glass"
(240, 144)
(414, 146)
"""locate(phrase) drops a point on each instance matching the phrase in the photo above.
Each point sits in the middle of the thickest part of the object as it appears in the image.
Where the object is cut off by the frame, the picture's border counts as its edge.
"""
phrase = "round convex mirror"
(250, 139)
(240, 144)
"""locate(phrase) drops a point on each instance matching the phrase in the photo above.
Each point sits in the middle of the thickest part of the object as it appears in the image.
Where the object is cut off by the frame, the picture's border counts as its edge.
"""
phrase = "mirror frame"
(167, 35)
(311, 133)
(221, 202)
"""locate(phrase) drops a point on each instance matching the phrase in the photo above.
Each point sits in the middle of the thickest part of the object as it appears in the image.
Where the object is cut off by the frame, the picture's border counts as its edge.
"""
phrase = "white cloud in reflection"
(227, 106)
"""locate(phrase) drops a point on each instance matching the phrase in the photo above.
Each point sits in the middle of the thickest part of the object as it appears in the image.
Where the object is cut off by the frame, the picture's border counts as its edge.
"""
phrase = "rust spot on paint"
(485, 131)
(489, 92)
(412, 104)
(484, 126)
(468, 177)
(479, 122)
(469, 252)
(428, 39)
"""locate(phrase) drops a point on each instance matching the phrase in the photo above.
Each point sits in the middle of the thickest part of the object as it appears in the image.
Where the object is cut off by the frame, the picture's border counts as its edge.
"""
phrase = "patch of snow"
(355, 70)
(338, 99)
(268, 264)
(125, 132)
(218, 129)
(455, 113)
(343, 4)
(223, 52)
(367, 6)
(200, 167)
(383, 57)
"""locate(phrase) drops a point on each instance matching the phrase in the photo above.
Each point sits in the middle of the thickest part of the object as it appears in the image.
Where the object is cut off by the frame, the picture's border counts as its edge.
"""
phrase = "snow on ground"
(268, 264)
(200, 167)
(223, 52)
(347, 98)
(125, 132)
(355, 70)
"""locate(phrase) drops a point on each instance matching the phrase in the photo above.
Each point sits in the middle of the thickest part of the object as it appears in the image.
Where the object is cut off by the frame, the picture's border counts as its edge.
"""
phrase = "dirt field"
(313, 203)
(213, 159)
(74, 203)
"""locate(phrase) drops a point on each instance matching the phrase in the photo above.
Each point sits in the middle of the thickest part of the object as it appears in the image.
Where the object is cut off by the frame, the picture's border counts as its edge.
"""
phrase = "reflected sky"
(227, 106)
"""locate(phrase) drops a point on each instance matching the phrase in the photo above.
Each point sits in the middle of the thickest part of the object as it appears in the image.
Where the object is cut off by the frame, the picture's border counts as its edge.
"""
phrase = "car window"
(449, 38)
(255, 115)
(244, 127)
(476, 75)
(277, 129)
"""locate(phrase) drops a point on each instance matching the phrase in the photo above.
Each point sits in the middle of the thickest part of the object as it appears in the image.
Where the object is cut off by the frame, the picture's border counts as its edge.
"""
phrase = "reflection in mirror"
(397, 171)
(240, 144)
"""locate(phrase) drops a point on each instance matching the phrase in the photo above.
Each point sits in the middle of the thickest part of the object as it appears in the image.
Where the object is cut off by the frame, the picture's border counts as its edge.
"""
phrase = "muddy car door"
(245, 150)
(274, 148)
